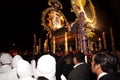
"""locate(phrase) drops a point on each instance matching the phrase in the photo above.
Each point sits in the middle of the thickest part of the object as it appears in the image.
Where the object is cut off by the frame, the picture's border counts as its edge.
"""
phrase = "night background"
(20, 19)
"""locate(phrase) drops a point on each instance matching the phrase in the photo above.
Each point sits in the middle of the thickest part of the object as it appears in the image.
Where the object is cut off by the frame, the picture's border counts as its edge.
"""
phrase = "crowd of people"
(103, 65)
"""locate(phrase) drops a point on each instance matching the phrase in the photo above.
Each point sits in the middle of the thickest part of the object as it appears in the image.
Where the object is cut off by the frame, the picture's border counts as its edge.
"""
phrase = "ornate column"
(81, 32)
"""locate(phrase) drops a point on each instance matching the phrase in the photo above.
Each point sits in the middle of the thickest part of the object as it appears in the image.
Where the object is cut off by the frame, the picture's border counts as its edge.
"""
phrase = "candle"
(76, 43)
(39, 46)
(45, 45)
(112, 39)
(37, 50)
(54, 44)
(34, 43)
(104, 40)
(66, 42)
(86, 59)
(100, 45)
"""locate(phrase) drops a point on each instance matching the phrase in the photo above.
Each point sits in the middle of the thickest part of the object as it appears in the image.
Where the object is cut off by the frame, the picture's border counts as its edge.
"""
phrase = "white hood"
(24, 68)
(5, 58)
(46, 66)
(15, 60)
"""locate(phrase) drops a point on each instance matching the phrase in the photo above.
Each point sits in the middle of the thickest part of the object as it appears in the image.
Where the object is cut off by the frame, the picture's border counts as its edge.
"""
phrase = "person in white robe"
(24, 70)
(15, 60)
(46, 66)
(6, 70)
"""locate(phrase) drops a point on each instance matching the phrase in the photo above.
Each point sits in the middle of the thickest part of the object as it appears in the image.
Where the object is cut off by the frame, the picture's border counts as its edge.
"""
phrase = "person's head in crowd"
(5, 59)
(24, 69)
(46, 66)
(42, 78)
(104, 61)
(70, 49)
(78, 58)
(14, 53)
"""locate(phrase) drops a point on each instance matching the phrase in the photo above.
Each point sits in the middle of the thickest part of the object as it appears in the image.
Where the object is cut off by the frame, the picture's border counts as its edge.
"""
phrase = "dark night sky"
(20, 19)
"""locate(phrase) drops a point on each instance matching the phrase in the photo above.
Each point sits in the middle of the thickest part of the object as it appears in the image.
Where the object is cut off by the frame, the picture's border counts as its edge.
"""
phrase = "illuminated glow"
(99, 39)
(86, 60)
(100, 44)
(52, 18)
(85, 6)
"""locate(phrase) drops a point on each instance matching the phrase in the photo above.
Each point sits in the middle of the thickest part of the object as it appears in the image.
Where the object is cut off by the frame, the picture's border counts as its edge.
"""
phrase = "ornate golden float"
(61, 32)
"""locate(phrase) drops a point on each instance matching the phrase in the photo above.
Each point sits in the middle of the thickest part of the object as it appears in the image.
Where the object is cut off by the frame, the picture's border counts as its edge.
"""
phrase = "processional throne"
(61, 33)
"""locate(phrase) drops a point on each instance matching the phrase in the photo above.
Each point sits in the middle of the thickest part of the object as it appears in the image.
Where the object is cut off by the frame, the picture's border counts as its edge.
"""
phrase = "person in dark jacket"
(81, 70)
(104, 64)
